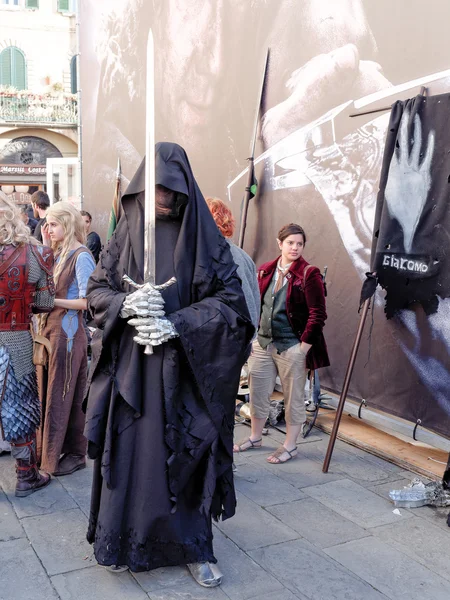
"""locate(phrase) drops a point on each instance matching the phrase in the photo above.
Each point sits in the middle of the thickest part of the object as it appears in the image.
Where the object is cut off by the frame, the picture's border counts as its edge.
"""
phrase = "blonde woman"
(26, 287)
(63, 446)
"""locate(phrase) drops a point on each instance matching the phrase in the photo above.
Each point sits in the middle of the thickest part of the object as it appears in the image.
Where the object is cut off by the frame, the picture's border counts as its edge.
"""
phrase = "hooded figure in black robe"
(160, 427)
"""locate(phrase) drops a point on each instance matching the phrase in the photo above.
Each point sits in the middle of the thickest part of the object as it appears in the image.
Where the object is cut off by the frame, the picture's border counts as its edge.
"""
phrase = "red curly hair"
(222, 215)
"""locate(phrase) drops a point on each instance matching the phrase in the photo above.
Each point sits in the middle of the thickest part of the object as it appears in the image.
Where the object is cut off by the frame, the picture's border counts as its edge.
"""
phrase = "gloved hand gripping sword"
(155, 302)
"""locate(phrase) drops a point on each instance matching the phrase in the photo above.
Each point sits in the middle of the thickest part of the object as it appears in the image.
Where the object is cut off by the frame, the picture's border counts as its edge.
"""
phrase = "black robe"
(160, 427)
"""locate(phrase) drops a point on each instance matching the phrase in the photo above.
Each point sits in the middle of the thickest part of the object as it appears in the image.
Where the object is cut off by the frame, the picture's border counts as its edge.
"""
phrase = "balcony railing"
(27, 107)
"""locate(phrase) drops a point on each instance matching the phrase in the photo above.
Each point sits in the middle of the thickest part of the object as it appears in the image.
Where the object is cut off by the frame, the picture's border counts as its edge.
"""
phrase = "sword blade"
(150, 200)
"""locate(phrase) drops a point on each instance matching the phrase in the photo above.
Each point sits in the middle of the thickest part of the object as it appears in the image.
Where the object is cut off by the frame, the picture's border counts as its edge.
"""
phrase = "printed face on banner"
(193, 64)
(316, 165)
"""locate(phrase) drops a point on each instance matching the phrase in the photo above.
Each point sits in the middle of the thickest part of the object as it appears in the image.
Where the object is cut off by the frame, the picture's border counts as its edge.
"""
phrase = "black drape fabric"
(411, 243)
(198, 373)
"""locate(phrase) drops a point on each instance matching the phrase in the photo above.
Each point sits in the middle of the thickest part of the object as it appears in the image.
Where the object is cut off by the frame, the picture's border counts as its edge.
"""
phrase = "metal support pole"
(246, 202)
(348, 376)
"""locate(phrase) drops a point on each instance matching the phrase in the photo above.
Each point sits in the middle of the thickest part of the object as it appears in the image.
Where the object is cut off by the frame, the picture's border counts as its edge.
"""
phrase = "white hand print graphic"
(409, 181)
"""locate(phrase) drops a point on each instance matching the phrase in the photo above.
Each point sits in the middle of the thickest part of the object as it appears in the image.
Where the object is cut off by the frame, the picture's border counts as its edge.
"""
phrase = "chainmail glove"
(144, 302)
(153, 331)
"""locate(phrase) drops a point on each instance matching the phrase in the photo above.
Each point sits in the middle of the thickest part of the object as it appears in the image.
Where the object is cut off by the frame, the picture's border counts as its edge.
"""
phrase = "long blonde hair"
(12, 229)
(74, 230)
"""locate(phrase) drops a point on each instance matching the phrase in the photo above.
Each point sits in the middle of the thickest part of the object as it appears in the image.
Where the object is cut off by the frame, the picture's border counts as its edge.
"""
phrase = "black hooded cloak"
(160, 427)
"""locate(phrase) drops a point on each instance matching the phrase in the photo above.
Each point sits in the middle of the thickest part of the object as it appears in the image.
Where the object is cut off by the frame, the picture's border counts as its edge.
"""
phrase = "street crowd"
(155, 409)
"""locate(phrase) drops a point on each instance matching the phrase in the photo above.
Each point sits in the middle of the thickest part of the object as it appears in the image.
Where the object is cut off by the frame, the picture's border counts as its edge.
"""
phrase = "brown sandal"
(247, 444)
(279, 452)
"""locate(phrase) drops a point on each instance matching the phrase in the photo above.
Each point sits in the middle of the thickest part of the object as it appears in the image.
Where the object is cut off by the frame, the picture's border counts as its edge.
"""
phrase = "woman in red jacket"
(289, 341)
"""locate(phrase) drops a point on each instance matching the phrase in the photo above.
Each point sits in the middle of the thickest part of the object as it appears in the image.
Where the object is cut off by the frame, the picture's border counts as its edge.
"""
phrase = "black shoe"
(70, 463)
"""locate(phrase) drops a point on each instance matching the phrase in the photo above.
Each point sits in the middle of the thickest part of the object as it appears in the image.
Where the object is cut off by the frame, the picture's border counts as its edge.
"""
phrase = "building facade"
(38, 98)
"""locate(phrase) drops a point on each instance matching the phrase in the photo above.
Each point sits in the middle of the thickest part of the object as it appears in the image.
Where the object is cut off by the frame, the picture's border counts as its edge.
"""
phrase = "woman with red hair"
(225, 222)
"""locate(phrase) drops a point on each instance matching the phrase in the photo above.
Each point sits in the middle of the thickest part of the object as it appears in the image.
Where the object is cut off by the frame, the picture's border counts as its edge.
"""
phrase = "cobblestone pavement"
(298, 534)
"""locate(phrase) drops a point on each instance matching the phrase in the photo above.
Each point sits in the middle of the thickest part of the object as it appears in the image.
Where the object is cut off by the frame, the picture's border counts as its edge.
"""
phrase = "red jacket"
(305, 306)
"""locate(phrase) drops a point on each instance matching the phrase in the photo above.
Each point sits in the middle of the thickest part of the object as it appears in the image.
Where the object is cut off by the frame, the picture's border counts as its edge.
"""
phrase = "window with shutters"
(13, 68)
(73, 75)
(32, 3)
(67, 6)
(10, 3)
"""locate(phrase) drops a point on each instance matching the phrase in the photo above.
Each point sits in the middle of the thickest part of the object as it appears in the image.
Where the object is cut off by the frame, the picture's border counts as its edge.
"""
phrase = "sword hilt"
(149, 348)
(139, 286)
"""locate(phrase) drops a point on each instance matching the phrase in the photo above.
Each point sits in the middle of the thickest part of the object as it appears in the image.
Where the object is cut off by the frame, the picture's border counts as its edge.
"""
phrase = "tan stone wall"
(47, 39)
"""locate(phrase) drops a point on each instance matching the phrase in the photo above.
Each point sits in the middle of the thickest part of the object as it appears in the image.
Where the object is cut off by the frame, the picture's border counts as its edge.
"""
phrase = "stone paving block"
(242, 577)
(22, 577)
(316, 435)
(271, 441)
(253, 527)
(78, 486)
(422, 541)
(281, 595)
(240, 458)
(341, 461)
(263, 487)
(304, 568)
(60, 542)
(316, 451)
(48, 500)
(433, 514)
(97, 583)
(361, 468)
(188, 591)
(383, 489)
(10, 527)
(343, 458)
(161, 578)
(389, 480)
(300, 472)
(388, 570)
(376, 460)
(356, 503)
(351, 449)
(318, 524)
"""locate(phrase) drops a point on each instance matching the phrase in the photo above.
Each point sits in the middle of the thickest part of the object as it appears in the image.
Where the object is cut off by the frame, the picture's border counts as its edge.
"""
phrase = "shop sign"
(22, 170)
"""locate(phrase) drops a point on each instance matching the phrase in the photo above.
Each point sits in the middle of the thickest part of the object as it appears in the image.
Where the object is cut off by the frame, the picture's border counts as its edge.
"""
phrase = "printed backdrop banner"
(315, 165)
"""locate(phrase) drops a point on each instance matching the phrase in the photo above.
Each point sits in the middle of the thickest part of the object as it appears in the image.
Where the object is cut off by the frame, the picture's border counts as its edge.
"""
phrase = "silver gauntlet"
(147, 301)
(153, 331)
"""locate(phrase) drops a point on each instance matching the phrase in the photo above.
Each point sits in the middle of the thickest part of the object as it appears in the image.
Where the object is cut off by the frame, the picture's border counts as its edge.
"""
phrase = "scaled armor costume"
(26, 287)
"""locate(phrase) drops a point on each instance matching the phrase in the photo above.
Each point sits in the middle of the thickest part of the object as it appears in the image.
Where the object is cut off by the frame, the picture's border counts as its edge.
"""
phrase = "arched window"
(13, 68)
(73, 75)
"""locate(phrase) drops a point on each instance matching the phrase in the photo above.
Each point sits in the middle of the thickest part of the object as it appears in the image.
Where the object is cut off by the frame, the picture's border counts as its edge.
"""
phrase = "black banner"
(411, 245)
(411, 251)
